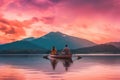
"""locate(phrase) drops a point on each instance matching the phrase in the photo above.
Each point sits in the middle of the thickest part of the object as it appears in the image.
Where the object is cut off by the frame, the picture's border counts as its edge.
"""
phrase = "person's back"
(66, 50)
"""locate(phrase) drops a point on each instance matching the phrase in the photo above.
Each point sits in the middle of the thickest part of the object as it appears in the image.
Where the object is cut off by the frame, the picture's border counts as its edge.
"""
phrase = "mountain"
(98, 48)
(59, 40)
(20, 46)
(116, 44)
(44, 43)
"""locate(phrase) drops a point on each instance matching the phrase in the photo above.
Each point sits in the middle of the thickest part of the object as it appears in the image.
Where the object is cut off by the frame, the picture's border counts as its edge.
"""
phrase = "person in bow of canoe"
(53, 51)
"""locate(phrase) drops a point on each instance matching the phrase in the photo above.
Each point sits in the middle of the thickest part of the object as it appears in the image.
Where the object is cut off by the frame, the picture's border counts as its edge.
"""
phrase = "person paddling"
(66, 50)
(53, 51)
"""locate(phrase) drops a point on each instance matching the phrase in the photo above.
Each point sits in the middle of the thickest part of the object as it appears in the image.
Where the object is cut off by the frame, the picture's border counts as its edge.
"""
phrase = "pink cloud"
(48, 20)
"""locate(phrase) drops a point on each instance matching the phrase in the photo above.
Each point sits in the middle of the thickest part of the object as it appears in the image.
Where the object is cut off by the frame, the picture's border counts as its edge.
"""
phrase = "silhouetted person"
(66, 50)
(53, 51)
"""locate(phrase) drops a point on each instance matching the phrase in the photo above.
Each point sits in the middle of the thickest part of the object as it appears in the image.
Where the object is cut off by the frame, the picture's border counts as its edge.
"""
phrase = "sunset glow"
(94, 20)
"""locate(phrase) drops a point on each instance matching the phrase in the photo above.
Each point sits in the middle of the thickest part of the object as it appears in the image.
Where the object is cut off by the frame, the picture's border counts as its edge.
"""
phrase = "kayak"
(61, 56)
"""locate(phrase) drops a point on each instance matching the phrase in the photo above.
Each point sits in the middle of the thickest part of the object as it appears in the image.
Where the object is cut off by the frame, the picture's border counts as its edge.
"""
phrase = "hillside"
(59, 39)
(98, 48)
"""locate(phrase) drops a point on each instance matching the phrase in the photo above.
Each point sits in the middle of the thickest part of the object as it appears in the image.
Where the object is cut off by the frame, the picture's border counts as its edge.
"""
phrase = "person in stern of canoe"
(66, 50)
(53, 51)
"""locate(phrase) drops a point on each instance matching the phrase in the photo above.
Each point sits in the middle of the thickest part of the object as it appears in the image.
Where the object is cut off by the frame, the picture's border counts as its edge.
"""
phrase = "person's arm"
(56, 50)
(63, 50)
(69, 51)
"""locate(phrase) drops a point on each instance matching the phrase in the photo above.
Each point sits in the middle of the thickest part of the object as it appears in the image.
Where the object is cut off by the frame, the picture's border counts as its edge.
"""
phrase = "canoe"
(61, 56)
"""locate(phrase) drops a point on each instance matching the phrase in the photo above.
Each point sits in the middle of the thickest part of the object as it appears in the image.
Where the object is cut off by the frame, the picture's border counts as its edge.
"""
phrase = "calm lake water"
(35, 67)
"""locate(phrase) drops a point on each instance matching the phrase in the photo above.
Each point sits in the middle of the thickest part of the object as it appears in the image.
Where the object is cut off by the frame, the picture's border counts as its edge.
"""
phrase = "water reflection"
(10, 73)
(38, 63)
(54, 63)
(37, 68)
(66, 62)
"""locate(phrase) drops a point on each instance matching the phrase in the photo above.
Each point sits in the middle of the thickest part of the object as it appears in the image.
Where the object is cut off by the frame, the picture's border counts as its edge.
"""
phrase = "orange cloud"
(12, 30)
(38, 33)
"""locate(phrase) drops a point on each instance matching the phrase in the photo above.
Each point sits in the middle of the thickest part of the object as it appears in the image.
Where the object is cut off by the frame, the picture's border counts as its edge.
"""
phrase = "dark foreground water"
(35, 67)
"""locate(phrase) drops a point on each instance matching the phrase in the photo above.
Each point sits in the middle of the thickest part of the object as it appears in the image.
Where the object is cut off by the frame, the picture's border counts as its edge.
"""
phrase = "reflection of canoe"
(61, 56)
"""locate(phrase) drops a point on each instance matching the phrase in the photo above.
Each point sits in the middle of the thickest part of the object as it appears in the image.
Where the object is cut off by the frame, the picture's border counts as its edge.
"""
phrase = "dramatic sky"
(95, 20)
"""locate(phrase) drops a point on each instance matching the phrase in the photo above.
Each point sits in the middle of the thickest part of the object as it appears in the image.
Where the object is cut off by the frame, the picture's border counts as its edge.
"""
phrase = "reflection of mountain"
(59, 40)
(99, 48)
